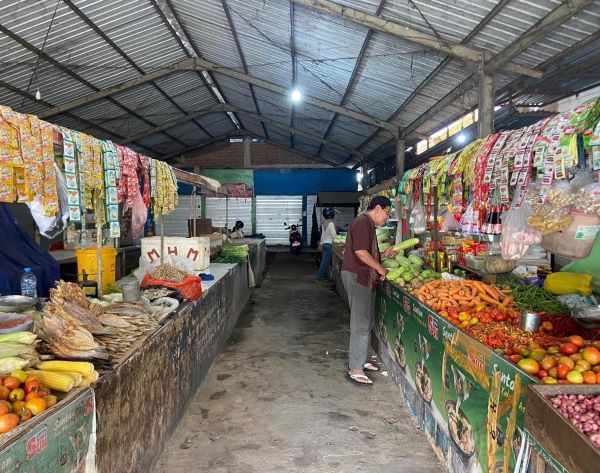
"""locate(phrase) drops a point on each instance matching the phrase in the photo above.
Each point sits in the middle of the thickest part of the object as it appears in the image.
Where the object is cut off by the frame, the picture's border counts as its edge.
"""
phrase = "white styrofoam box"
(196, 249)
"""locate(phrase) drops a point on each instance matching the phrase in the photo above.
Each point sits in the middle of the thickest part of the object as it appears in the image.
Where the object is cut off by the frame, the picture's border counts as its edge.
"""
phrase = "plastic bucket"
(87, 261)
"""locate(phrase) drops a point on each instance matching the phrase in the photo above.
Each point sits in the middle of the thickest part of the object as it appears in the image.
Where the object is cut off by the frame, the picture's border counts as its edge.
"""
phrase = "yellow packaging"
(568, 283)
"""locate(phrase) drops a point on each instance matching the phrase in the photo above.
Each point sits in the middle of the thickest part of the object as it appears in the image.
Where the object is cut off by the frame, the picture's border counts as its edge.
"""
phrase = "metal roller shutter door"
(236, 209)
(271, 213)
(176, 223)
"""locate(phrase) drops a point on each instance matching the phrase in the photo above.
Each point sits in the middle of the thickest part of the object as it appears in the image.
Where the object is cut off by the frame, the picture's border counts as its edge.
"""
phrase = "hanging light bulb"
(296, 95)
(38, 95)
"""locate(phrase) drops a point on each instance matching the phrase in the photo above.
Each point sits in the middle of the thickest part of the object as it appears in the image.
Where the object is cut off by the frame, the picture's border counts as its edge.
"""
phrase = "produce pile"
(24, 394)
(570, 360)
(583, 411)
(233, 254)
(72, 327)
(405, 271)
(535, 299)
(17, 351)
(467, 303)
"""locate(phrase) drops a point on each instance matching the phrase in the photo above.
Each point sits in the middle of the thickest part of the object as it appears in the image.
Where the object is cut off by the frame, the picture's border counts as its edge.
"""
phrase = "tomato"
(18, 405)
(24, 414)
(17, 395)
(597, 378)
(542, 374)
(51, 400)
(5, 407)
(515, 358)
(568, 348)
(576, 340)
(529, 366)
(31, 395)
(548, 362)
(562, 370)
(589, 377)
(36, 405)
(4, 392)
(11, 382)
(32, 385)
(8, 422)
(591, 355)
(549, 380)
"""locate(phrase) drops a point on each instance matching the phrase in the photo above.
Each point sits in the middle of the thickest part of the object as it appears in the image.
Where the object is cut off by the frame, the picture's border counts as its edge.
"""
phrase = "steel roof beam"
(295, 131)
(378, 23)
(293, 55)
(41, 54)
(201, 64)
(238, 46)
(124, 55)
(350, 86)
(491, 14)
(173, 23)
(178, 121)
(172, 157)
(32, 98)
(542, 28)
(567, 9)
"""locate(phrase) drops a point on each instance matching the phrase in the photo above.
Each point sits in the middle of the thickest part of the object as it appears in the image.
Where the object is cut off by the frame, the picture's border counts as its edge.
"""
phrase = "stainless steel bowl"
(587, 317)
(16, 303)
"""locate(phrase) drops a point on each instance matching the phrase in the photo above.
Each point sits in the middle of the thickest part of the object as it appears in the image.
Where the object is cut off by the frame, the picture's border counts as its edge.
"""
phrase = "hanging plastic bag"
(450, 224)
(517, 234)
(416, 221)
(51, 227)
(139, 214)
(469, 224)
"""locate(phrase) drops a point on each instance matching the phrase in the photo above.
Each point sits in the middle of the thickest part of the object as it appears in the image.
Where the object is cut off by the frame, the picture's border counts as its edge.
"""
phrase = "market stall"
(479, 306)
(84, 367)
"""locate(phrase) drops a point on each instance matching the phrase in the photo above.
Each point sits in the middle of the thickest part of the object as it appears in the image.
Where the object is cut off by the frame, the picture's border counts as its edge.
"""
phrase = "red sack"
(190, 288)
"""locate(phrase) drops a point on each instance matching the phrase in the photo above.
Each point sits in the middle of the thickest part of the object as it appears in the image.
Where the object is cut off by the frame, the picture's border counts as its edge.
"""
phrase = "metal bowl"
(587, 317)
(16, 303)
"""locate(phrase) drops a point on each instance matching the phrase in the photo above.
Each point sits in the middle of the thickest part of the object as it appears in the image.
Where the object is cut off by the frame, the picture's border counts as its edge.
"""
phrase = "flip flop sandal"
(353, 378)
(370, 368)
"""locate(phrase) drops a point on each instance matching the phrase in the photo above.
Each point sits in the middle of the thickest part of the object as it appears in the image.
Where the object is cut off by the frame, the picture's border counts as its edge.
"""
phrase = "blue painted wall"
(304, 181)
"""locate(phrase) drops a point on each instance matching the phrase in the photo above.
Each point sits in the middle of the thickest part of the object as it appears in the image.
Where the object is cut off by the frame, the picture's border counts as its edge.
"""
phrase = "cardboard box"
(203, 227)
(570, 447)
(196, 249)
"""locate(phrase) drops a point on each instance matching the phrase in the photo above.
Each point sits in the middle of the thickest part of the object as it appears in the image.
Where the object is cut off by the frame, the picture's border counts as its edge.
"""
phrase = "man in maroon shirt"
(361, 270)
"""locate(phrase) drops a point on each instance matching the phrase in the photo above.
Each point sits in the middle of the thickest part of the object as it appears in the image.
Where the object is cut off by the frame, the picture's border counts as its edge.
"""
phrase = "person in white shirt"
(328, 234)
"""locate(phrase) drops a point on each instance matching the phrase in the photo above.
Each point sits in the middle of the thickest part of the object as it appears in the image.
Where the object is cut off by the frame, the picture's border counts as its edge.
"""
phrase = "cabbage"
(408, 276)
(415, 260)
(383, 246)
(390, 263)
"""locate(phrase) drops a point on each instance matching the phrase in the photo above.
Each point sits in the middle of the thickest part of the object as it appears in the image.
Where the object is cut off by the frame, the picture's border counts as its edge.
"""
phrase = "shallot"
(582, 411)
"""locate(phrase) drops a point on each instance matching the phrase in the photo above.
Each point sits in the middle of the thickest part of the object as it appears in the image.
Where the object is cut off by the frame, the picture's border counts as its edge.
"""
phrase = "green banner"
(231, 176)
(57, 443)
(447, 377)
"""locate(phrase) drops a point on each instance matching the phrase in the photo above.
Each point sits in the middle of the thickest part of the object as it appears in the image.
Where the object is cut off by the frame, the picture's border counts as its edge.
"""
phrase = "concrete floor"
(276, 399)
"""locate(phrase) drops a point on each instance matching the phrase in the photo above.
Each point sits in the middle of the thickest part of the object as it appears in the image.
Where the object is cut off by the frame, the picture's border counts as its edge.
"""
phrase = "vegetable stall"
(491, 291)
(79, 364)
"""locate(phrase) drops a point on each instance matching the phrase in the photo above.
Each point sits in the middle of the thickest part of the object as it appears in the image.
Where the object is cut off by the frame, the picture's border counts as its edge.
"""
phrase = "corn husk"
(16, 349)
(26, 338)
(12, 363)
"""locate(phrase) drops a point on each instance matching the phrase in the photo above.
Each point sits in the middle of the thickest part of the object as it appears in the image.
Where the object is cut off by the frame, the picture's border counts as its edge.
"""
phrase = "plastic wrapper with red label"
(517, 234)
(190, 288)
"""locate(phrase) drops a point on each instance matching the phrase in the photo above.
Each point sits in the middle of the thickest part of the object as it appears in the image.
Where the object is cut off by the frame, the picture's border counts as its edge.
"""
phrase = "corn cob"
(85, 382)
(83, 367)
(76, 377)
(53, 380)
(93, 377)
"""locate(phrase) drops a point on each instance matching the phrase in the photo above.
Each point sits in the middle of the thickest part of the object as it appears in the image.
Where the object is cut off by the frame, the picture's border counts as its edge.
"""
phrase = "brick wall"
(231, 155)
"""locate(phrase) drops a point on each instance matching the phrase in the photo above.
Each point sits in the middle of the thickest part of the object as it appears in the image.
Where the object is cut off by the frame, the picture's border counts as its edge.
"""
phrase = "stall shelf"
(140, 403)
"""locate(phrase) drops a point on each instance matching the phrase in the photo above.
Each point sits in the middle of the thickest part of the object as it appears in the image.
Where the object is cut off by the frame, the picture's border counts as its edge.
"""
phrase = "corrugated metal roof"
(384, 77)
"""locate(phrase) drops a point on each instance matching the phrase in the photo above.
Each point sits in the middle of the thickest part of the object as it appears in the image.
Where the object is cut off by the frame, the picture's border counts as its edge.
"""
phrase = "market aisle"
(276, 399)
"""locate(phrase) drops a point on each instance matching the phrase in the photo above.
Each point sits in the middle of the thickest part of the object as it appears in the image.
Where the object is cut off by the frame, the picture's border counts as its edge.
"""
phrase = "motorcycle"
(295, 238)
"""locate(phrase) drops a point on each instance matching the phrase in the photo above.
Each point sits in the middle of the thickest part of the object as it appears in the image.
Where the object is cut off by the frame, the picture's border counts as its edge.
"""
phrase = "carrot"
(486, 298)
(495, 293)
(507, 300)
(479, 286)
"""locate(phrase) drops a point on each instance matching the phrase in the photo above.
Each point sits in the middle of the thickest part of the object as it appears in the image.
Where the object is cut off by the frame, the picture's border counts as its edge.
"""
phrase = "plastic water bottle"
(28, 283)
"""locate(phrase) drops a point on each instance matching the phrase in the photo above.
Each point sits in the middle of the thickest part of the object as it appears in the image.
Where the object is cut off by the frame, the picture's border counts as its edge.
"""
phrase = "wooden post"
(98, 215)
(162, 239)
